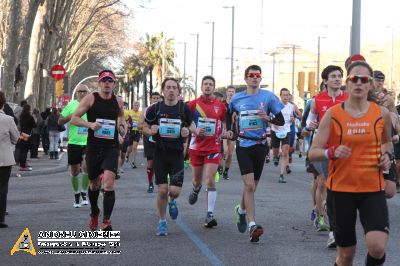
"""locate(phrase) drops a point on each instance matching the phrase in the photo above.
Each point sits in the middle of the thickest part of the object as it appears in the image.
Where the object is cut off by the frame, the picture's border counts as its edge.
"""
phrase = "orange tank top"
(359, 172)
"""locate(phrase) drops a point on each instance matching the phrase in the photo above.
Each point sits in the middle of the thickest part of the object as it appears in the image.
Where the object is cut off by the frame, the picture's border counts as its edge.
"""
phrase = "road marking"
(200, 244)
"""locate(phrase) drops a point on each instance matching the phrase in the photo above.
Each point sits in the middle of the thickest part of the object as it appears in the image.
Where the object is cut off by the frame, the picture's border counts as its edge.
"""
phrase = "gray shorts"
(322, 167)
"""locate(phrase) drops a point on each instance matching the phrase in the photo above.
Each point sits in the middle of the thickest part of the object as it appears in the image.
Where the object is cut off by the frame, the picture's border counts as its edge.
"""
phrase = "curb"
(63, 166)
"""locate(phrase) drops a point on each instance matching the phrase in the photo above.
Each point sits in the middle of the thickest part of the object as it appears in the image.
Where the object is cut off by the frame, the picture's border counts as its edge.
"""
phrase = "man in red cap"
(105, 119)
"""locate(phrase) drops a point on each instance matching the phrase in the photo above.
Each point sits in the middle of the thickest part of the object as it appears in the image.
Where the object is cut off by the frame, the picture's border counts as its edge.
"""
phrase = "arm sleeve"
(188, 115)
(150, 116)
(305, 115)
(311, 118)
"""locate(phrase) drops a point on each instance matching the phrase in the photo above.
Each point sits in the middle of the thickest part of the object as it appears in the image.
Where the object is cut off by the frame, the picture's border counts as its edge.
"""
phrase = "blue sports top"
(251, 128)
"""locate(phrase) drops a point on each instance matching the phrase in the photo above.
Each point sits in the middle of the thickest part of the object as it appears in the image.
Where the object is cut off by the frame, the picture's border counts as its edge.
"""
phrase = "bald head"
(81, 91)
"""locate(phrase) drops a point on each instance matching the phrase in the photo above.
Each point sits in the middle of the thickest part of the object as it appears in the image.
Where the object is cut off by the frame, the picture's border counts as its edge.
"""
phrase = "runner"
(250, 109)
(77, 139)
(357, 134)
(149, 144)
(229, 145)
(124, 142)
(332, 78)
(205, 145)
(105, 120)
(168, 123)
(134, 132)
(280, 135)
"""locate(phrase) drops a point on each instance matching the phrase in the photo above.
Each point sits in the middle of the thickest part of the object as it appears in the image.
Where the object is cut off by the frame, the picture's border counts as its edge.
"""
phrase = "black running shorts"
(149, 148)
(276, 142)
(342, 209)
(168, 163)
(99, 159)
(251, 159)
(75, 153)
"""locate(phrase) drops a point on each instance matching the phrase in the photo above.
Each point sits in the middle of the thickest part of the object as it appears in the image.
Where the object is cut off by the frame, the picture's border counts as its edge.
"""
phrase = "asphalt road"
(44, 202)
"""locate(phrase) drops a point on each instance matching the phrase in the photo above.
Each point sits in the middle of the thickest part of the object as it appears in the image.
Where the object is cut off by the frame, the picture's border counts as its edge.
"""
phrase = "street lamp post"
(212, 46)
(355, 28)
(273, 54)
(197, 63)
(293, 47)
(233, 34)
(319, 57)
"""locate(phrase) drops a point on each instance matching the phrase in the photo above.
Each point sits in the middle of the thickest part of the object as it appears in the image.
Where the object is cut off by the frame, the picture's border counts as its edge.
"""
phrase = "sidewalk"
(43, 165)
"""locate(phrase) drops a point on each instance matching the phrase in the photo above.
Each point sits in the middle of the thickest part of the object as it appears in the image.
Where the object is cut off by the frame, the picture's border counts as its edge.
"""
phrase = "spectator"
(54, 132)
(27, 123)
(36, 134)
(45, 131)
(9, 135)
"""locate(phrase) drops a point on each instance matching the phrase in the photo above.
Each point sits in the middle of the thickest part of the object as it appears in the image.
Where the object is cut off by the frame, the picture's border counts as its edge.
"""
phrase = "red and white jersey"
(208, 113)
(323, 102)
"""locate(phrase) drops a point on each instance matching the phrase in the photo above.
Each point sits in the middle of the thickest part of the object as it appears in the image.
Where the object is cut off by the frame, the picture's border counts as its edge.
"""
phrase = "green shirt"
(76, 135)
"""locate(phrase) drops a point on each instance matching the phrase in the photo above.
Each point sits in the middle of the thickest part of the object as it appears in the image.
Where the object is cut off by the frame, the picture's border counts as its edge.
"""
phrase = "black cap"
(378, 75)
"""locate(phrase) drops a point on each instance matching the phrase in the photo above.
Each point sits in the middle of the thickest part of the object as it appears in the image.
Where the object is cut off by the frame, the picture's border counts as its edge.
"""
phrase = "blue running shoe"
(313, 215)
(173, 209)
(240, 220)
(162, 228)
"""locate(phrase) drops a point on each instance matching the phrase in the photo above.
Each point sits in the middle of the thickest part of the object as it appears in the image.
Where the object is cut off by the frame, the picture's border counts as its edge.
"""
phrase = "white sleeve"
(312, 117)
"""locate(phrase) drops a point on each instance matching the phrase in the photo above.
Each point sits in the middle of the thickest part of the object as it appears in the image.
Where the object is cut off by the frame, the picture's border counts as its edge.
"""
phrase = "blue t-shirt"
(247, 107)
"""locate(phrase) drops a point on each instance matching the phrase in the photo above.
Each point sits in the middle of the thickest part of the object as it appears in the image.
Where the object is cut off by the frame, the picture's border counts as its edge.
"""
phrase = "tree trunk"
(144, 97)
(151, 80)
(11, 51)
(34, 52)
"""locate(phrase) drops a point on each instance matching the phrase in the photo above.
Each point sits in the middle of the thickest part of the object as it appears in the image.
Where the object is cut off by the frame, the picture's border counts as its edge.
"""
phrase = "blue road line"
(200, 244)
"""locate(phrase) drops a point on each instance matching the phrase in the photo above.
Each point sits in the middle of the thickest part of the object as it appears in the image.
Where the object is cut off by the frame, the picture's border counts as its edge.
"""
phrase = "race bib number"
(82, 131)
(134, 124)
(281, 135)
(250, 120)
(208, 124)
(170, 128)
(107, 129)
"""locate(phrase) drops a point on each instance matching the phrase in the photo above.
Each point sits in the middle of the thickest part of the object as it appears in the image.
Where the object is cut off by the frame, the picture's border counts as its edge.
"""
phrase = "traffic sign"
(57, 72)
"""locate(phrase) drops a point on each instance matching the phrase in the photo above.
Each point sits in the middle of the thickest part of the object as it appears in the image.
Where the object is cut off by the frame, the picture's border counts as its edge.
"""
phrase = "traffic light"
(311, 84)
(59, 88)
(300, 83)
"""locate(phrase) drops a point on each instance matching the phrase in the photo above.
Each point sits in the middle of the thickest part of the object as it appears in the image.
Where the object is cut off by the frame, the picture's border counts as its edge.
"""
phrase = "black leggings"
(5, 172)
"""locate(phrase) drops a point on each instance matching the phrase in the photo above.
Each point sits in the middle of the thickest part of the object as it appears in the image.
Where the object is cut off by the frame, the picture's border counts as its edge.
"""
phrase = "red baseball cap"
(106, 74)
(354, 58)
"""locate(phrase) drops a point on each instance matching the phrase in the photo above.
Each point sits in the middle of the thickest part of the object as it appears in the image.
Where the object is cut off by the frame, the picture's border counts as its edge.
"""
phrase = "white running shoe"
(85, 202)
(77, 205)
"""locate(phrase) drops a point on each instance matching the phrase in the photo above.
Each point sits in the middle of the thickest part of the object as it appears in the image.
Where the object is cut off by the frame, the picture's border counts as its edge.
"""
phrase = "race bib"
(134, 124)
(170, 128)
(250, 120)
(281, 135)
(107, 129)
(208, 124)
(82, 131)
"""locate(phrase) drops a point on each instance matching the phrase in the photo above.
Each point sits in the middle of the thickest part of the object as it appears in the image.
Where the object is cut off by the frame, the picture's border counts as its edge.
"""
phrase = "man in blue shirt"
(250, 109)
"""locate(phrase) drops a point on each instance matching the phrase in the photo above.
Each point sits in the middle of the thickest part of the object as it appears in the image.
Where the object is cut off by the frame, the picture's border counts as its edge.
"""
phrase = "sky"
(262, 26)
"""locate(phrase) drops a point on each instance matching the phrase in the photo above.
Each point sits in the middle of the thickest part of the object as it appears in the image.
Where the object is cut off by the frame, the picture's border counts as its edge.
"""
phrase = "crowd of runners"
(348, 133)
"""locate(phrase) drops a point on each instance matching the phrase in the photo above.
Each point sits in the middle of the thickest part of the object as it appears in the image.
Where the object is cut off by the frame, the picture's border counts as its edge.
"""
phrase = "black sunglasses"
(107, 80)
(82, 91)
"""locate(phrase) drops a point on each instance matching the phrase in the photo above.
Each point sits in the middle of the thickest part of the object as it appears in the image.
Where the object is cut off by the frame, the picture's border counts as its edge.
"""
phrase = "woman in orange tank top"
(355, 137)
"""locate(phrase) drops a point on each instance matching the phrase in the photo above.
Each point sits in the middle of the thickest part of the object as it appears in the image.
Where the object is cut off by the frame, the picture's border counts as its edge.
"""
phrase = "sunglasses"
(254, 75)
(107, 80)
(82, 91)
(364, 79)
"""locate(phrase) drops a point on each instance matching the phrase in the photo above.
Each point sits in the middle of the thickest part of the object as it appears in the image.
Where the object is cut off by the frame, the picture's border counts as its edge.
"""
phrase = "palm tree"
(151, 51)
(134, 67)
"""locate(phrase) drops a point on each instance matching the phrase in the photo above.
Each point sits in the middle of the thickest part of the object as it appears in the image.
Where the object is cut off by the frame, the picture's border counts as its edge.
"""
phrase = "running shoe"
(225, 176)
(162, 228)
(267, 160)
(276, 161)
(193, 196)
(255, 232)
(210, 221)
(300, 155)
(173, 209)
(121, 171)
(85, 202)
(94, 221)
(186, 163)
(106, 225)
(321, 225)
(331, 243)
(281, 179)
(313, 215)
(77, 205)
(241, 221)
(27, 168)
(288, 170)
(150, 189)
(134, 165)
(220, 171)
